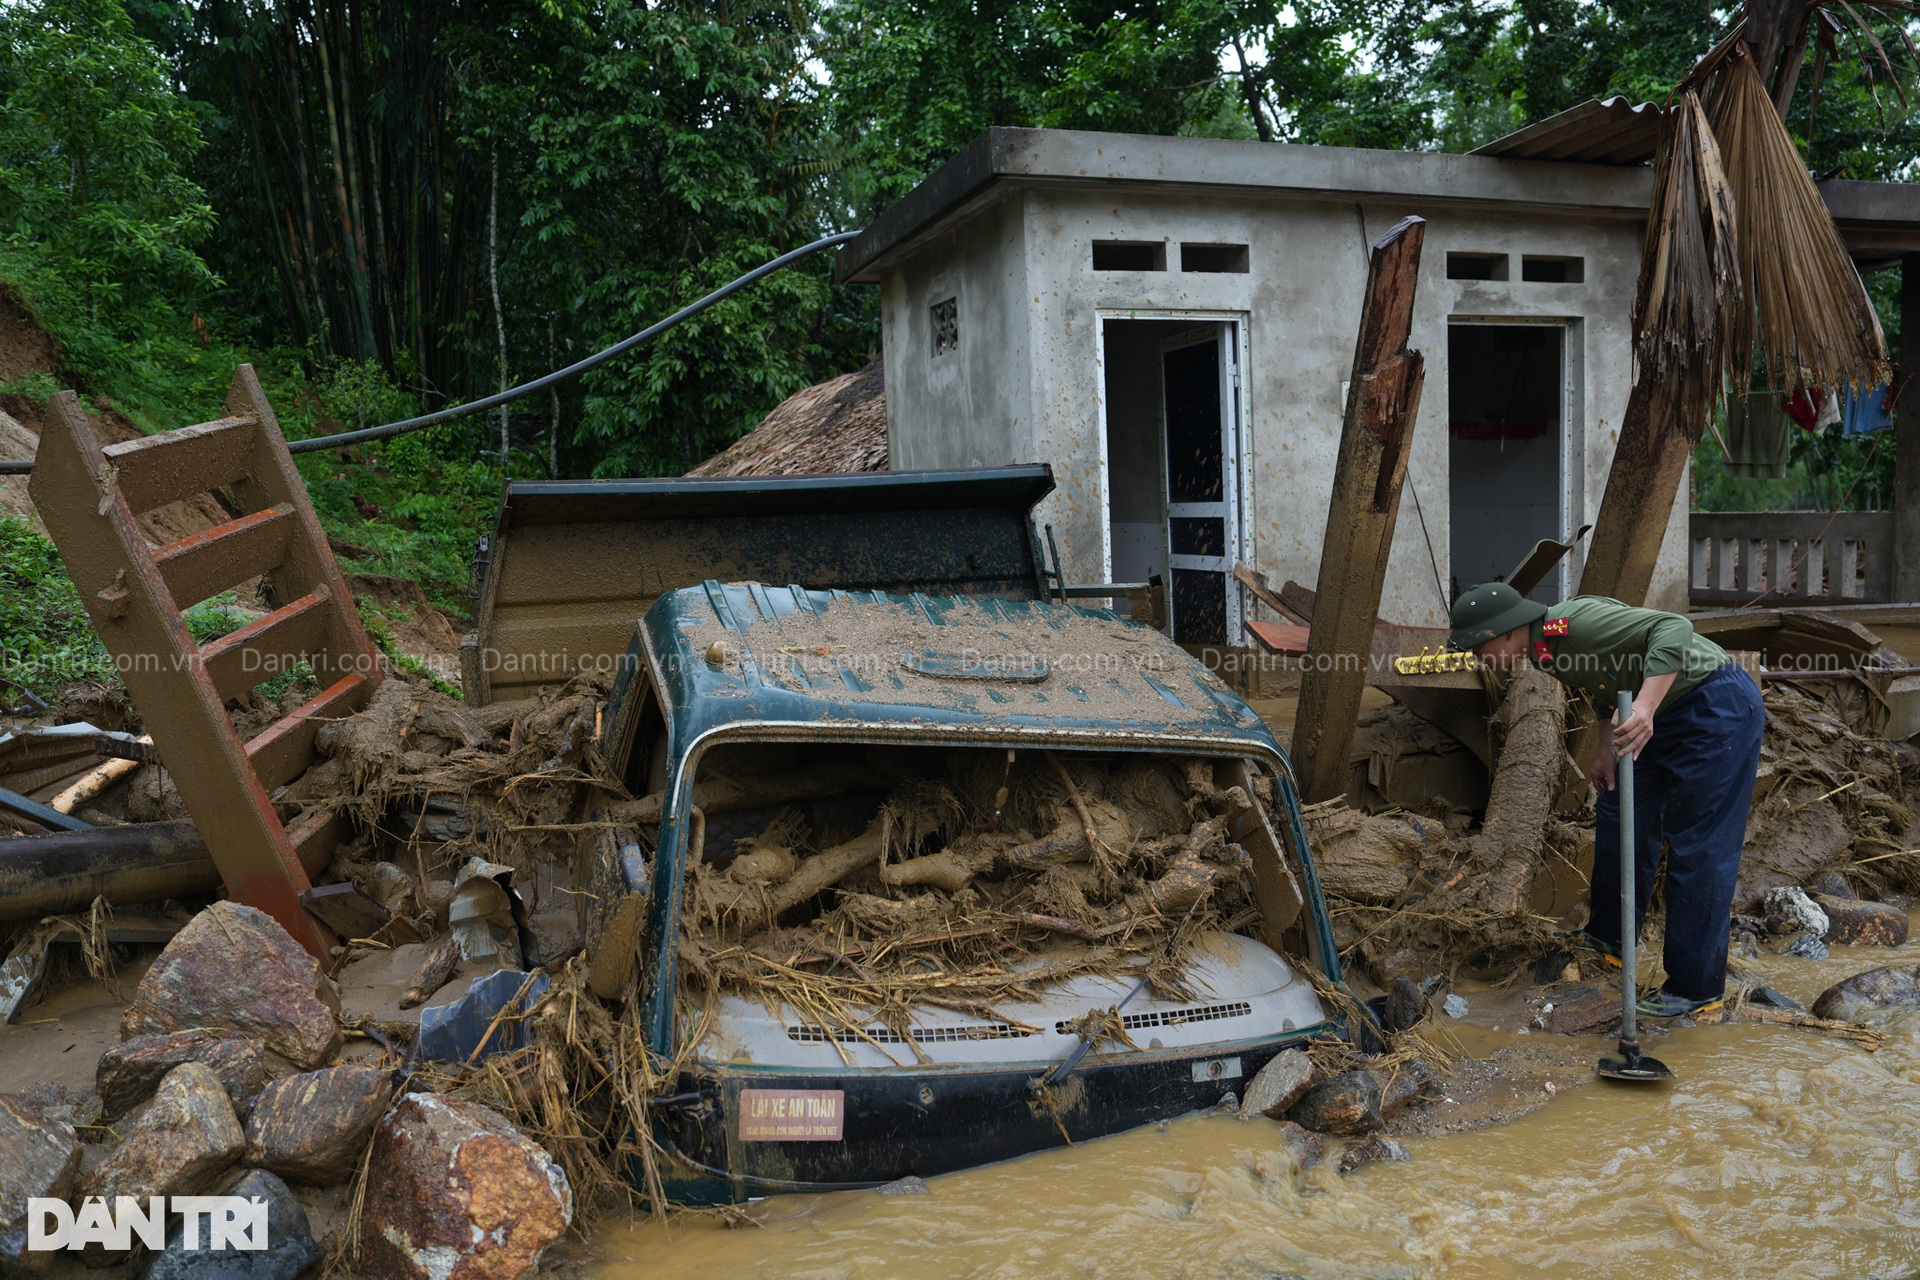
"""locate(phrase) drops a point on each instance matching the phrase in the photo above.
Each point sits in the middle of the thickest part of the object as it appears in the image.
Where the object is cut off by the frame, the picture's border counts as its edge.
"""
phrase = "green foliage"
(46, 640)
(664, 144)
(380, 630)
(397, 508)
(99, 218)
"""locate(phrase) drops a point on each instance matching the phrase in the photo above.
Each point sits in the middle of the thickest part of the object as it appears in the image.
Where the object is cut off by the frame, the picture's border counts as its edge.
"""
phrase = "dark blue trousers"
(1693, 786)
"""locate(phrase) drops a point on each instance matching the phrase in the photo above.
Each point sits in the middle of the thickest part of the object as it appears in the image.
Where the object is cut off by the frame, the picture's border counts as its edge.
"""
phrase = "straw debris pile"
(983, 877)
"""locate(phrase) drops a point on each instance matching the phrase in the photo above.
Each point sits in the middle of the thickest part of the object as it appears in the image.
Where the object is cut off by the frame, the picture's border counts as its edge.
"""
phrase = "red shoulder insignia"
(1542, 654)
(1554, 627)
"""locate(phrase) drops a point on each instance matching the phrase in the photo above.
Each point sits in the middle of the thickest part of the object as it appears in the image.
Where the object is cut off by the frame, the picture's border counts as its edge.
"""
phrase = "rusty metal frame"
(89, 495)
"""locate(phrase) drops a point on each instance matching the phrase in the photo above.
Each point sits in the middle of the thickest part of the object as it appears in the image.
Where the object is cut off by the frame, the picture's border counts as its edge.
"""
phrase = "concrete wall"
(969, 407)
(1028, 385)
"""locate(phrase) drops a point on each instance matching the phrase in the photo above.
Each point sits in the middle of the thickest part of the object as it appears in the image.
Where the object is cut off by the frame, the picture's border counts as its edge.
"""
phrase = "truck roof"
(930, 668)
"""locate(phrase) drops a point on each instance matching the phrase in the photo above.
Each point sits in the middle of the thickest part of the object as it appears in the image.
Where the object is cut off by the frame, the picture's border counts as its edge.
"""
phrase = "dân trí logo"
(207, 1222)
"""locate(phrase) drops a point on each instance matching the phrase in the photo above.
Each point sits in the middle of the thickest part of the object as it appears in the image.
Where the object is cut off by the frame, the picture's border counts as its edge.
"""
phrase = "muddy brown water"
(1776, 1152)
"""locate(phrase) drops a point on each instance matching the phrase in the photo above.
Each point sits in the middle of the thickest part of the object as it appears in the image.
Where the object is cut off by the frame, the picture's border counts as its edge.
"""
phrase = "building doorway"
(1506, 428)
(1174, 467)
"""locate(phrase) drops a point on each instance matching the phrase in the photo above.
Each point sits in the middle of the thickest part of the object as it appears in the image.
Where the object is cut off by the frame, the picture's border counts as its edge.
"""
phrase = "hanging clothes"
(1811, 408)
(1870, 410)
(1757, 436)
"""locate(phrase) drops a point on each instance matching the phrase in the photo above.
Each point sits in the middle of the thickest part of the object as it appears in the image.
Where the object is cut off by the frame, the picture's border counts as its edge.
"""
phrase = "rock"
(1348, 1103)
(1581, 1012)
(1278, 1085)
(1307, 1146)
(1550, 967)
(1378, 1149)
(290, 1244)
(1401, 1086)
(314, 1128)
(1790, 840)
(234, 967)
(1404, 963)
(1807, 946)
(129, 1072)
(1405, 1006)
(907, 1186)
(179, 1145)
(1790, 910)
(454, 1190)
(1455, 1006)
(39, 1156)
(1852, 922)
(1892, 987)
(1830, 884)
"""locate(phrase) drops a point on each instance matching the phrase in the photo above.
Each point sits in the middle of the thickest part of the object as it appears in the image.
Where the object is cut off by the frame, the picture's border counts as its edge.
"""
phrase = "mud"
(1776, 1152)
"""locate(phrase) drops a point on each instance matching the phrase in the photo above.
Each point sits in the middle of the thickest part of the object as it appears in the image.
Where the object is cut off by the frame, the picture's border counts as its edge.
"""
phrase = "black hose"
(574, 370)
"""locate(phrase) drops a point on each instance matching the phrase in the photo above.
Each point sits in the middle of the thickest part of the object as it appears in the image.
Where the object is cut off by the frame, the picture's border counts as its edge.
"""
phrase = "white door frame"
(1235, 400)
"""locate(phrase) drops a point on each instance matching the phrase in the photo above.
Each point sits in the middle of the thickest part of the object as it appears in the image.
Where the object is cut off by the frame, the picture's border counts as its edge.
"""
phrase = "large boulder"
(290, 1244)
(313, 1128)
(128, 1073)
(1894, 987)
(455, 1192)
(184, 1140)
(1278, 1085)
(1348, 1103)
(1852, 922)
(234, 967)
(39, 1157)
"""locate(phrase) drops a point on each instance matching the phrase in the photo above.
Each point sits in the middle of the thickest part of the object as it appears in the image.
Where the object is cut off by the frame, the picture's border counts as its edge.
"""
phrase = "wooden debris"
(433, 973)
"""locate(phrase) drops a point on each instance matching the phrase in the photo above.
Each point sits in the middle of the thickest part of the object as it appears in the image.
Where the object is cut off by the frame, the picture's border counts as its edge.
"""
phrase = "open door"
(1200, 409)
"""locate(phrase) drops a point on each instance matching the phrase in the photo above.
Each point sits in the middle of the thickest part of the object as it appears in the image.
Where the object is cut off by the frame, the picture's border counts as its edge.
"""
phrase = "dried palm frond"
(1690, 280)
(1808, 317)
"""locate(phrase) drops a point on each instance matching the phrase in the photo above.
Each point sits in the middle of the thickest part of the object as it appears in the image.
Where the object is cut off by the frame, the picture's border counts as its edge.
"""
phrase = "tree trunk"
(493, 282)
(1506, 853)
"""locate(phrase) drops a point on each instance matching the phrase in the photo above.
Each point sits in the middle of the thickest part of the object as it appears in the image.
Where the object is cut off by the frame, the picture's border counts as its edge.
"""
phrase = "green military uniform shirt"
(1597, 646)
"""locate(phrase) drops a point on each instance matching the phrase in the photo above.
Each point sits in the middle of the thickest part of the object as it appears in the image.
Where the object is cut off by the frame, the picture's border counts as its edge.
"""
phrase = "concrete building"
(1170, 322)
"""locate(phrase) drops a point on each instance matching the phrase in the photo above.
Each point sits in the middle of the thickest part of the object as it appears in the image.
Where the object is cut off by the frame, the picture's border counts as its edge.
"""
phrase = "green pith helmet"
(1488, 610)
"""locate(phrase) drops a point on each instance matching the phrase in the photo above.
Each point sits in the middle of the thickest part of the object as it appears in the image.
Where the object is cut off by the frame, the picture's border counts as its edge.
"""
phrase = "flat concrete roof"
(1876, 218)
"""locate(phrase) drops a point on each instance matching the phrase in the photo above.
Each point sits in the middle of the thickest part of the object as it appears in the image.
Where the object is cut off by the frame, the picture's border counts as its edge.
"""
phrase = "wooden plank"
(1383, 402)
(315, 834)
(202, 565)
(266, 647)
(1256, 582)
(1278, 637)
(1648, 462)
(155, 470)
(284, 749)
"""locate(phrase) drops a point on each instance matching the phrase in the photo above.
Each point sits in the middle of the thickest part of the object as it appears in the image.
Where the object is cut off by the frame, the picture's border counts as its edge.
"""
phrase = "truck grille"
(1174, 1017)
(921, 1035)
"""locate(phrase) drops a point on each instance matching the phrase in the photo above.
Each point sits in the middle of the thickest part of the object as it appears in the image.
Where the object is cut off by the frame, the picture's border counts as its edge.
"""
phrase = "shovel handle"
(1629, 931)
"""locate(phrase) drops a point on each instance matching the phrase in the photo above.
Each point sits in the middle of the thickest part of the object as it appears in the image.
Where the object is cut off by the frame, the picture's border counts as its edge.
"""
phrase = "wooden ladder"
(89, 496)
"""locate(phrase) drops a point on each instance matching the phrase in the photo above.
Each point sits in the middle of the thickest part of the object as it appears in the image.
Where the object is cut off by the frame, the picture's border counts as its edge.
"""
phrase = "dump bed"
(572, 564)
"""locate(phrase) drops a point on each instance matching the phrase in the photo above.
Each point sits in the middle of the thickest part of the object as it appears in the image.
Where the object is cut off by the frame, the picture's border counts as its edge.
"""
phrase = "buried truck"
(922, 878)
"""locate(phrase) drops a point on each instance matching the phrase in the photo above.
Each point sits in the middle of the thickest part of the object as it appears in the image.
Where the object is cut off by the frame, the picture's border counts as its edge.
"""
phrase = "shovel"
(1629, 1063)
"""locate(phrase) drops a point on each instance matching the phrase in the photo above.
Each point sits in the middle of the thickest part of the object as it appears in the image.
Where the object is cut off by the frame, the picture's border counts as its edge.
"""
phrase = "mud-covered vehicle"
(916, 881)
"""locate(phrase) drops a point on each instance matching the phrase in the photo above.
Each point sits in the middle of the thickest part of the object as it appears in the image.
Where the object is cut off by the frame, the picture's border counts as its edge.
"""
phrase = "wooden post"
(1648, 464)
(1375, 437)
(1906, 441)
